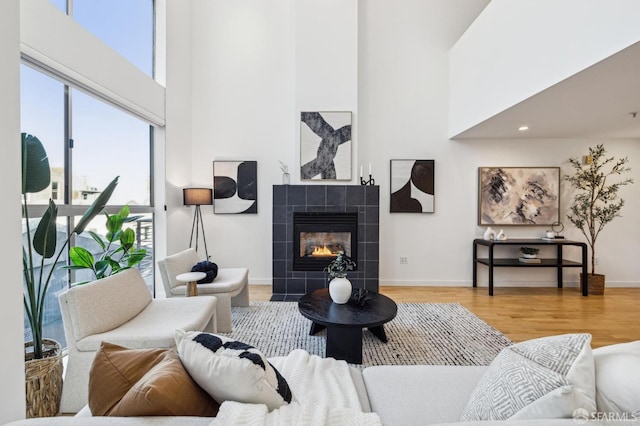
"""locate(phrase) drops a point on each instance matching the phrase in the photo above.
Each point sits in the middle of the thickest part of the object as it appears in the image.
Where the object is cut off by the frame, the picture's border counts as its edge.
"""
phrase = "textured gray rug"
(421, 333)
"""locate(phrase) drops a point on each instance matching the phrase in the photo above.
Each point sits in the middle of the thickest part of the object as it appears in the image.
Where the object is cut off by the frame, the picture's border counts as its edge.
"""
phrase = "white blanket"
(323, 392)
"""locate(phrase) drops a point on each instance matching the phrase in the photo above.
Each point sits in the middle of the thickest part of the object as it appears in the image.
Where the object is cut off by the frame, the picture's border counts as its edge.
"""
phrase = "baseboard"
(468, 283)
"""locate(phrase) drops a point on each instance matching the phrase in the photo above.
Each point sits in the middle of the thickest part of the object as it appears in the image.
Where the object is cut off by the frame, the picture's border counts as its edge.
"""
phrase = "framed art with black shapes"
(412, 186)
(325, 145)
(235, 187)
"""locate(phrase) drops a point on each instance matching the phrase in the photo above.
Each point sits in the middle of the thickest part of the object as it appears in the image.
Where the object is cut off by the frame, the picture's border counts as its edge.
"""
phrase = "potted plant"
(43, 356)
(529, 252)
(339, 285)
(596, 202)
(118, 251)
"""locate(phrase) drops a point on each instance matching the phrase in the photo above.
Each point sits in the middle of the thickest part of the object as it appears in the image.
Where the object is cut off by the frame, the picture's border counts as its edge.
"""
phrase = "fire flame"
(321, 251)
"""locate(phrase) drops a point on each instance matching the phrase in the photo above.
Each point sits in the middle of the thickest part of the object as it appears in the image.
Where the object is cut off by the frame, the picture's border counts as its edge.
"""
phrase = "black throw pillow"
(210, 268)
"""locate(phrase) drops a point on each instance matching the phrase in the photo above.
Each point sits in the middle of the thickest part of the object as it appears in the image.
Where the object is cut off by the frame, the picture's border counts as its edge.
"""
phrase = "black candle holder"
(371, 181)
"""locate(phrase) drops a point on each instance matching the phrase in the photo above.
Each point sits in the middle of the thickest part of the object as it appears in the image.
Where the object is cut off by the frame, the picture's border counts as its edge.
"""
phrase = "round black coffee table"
(344, 323)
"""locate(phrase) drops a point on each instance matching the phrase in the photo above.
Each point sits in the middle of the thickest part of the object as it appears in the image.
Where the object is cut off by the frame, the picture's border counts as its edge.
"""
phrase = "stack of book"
(529, 260)
(557, 237)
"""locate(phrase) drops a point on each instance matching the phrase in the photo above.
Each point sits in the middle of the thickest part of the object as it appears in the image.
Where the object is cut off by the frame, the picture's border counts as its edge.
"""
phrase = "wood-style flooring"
(527, 313)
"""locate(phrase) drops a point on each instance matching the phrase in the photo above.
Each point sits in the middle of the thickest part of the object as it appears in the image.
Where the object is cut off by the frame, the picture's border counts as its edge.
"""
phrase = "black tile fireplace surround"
(289, 284)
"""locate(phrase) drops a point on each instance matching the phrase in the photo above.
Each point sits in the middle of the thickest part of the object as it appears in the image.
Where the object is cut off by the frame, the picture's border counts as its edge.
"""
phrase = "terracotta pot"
(595, 283)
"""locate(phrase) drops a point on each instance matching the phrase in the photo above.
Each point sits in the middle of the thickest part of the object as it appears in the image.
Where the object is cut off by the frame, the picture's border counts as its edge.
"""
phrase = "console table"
(557, 262)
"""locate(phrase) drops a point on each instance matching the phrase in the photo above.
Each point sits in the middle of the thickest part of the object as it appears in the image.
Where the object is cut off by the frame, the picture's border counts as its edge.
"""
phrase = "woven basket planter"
(595, 284)
(43, 379)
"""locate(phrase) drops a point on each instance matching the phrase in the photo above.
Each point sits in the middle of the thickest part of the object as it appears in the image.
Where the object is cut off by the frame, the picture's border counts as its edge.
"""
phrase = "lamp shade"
(197, 196)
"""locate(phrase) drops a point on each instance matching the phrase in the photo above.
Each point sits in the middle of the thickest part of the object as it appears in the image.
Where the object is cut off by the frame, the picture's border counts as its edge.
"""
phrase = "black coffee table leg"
(345, 343)
(379, 333)
(316, 328)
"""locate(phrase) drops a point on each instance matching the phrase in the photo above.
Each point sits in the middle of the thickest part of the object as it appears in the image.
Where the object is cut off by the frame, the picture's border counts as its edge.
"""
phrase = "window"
(127, 26)
(109, 143)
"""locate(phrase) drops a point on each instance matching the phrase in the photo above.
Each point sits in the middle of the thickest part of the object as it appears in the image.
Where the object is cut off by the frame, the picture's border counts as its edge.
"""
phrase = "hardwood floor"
(527, 313)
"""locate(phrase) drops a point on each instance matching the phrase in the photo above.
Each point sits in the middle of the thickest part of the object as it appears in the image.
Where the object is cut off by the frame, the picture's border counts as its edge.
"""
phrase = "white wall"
(12, 391)
(178, 132)
(244, 106)
(503, 57)
(326, 66)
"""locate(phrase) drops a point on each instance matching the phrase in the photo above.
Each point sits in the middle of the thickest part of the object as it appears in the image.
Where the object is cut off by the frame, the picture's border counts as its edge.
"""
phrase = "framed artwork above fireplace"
(325, 145)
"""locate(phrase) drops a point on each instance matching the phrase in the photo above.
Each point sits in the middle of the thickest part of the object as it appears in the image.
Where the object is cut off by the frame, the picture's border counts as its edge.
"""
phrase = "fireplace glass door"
(319, 237)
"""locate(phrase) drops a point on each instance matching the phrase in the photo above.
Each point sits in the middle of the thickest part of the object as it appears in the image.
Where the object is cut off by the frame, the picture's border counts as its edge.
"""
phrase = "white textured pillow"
(618, 378)
(230, 370)
(542, 378)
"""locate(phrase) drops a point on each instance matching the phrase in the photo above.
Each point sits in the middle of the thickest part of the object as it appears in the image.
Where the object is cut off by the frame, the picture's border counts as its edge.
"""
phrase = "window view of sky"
(124, 25)
(107, 141)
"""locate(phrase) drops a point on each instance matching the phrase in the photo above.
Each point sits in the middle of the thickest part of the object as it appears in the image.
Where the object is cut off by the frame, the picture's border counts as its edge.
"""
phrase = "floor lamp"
(198, 197)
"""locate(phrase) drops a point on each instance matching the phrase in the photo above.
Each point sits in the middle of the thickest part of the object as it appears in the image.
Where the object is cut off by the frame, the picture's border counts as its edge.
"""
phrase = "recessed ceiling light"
(523, 128)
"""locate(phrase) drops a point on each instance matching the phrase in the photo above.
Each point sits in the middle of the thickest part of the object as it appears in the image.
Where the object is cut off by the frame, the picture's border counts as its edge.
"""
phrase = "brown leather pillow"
(144, 382)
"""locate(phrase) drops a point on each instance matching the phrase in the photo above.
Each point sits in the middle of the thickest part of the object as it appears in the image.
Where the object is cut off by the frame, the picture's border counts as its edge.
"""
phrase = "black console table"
(557, 262)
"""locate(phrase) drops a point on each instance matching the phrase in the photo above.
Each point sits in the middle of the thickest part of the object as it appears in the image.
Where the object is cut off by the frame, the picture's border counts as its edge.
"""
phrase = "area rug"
(421, 333)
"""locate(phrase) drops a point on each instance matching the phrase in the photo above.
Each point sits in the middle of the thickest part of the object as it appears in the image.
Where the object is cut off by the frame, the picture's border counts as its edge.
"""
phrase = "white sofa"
(230, 286)
(437, 395)
(401, 395)
(119, 309)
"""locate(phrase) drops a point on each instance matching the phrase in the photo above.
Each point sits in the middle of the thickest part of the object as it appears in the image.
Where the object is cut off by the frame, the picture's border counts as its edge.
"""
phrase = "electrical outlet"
(596, 260)
(404, 260)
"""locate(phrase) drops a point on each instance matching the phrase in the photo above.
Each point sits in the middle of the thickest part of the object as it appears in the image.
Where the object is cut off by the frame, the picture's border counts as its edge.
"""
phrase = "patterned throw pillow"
(544, 378)
(230, 370)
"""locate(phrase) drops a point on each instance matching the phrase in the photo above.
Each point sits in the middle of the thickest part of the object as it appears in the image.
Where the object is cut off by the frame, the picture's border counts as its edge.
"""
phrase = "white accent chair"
(119, 309)
(230, 286)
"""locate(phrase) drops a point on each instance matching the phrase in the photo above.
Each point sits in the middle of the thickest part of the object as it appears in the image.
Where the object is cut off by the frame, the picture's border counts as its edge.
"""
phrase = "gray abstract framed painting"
(325, 145)
(412, 186)
(235, 187)
(518, 195)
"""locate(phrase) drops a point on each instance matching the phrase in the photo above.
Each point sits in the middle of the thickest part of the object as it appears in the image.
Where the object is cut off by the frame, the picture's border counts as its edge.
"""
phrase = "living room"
(237, 74)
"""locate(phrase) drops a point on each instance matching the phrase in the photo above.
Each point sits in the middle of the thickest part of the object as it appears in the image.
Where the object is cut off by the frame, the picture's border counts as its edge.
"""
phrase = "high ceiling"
(597, 102)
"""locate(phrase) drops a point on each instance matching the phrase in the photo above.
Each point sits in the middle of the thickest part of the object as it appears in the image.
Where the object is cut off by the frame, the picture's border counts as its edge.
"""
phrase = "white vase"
(340, 290)
(489, 234)
(286, 178)
(501, 236)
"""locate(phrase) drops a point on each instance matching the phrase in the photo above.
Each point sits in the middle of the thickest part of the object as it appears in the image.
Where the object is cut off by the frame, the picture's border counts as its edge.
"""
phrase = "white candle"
(369, 169)
(360, 170)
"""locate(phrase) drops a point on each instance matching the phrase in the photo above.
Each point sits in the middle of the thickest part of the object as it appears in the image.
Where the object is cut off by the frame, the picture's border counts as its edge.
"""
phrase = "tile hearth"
(289, 284)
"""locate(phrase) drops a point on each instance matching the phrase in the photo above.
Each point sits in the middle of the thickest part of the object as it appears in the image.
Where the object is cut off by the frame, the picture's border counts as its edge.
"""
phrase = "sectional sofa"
(428, 394)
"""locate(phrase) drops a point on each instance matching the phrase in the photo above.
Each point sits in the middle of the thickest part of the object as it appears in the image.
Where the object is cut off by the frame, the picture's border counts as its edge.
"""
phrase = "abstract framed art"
(235, 187)
(412, 186)
(518, 195)
(325, 145)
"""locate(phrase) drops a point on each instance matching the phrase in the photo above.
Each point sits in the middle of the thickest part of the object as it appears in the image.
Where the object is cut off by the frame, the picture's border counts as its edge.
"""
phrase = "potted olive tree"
(43, 356)
(596, 201)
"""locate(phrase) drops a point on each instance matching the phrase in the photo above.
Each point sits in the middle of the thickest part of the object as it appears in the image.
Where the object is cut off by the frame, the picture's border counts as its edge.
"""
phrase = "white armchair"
(230, 286)
(119, 309)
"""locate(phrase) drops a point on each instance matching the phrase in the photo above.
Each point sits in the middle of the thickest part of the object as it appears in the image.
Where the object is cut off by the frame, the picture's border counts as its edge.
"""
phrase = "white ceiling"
(594, 103)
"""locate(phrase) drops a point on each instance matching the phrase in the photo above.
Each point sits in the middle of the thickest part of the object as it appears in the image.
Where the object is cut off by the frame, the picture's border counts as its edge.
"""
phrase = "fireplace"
(357, 205)
(318, 237)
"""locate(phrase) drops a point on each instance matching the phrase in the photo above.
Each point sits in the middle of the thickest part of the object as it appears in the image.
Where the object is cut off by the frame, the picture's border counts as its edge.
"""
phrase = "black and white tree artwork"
(235, 187)
(325, 145)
